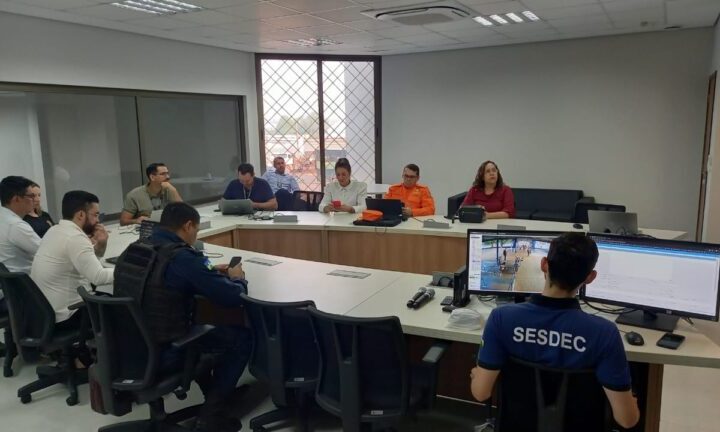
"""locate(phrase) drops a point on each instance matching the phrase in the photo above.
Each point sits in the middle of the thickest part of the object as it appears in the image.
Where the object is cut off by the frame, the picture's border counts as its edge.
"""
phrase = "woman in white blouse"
(344, 195)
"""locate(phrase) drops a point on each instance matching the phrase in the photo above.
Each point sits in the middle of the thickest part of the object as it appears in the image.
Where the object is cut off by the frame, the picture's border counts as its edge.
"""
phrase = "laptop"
(390, 208)
(145, 230)
(155, 215)
(236, 207)
(610, 222)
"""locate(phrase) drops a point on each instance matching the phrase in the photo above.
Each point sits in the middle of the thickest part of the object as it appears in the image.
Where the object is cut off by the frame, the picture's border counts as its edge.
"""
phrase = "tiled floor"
(691, 401)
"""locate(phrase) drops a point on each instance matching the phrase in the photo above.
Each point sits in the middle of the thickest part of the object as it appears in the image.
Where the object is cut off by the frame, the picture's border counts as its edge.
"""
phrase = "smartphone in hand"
(235, 261)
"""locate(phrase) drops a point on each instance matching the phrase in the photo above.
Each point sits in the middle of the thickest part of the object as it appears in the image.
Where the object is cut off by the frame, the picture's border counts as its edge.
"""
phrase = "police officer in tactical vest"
(172, 274)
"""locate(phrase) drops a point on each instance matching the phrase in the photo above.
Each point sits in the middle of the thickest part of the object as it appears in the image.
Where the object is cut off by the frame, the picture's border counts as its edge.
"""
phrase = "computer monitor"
(662, 279)
(506, 263)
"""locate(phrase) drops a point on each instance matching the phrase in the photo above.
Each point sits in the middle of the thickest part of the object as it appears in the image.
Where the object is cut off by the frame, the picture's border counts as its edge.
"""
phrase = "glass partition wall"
(100, 141)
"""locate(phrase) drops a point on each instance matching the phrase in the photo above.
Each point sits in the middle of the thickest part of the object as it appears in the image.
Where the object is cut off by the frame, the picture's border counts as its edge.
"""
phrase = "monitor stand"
(511, 298)
(645, 319)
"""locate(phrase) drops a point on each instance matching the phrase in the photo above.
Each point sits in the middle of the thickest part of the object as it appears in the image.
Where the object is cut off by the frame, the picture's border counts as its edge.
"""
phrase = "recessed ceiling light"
(313, 42)
(484, 21)
(514, 17)
(498, 19)
(531, 16)
(158, 7)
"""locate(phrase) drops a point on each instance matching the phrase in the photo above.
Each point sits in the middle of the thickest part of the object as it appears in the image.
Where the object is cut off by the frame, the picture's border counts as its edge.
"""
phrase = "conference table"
(378, 269)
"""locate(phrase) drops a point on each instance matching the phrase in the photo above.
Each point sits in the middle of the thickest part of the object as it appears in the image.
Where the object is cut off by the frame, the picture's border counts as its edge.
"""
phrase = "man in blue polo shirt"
(247, 186)
(283, 184)
(550, 329)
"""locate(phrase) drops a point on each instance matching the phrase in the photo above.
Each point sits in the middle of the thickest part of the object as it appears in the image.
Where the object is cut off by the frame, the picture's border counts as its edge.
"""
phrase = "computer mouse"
(577, 226)
(634, 338)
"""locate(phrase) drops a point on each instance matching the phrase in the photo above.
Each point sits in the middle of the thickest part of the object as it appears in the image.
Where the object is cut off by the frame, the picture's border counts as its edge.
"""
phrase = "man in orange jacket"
(416, 198)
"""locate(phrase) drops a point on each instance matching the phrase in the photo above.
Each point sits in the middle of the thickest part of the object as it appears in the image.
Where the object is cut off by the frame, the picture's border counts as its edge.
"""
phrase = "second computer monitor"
(661, 279)
(507, 262)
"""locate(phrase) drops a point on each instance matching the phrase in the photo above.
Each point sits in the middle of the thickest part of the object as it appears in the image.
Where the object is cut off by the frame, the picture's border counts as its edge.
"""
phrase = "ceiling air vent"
(422, 14)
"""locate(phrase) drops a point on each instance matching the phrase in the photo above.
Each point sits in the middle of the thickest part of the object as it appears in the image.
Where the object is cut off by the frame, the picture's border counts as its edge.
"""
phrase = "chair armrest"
(76, 306)
(194, 334)
(435, 353)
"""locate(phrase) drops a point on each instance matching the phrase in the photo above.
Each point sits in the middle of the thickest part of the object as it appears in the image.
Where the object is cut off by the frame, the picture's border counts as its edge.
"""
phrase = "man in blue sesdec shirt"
(247, 186)
(550, 329)
(190, 273)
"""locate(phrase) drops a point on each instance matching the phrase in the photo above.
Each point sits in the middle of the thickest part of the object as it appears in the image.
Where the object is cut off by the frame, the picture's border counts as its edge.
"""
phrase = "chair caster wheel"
(25, 399)
(71, 400)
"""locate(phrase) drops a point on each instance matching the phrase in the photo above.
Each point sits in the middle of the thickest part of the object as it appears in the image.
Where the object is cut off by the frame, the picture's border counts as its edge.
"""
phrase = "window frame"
(319, 59)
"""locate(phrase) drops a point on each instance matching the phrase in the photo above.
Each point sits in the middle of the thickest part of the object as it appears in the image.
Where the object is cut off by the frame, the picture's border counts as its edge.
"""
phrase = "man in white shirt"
(282, 184)
(68, 256)
(18, 241)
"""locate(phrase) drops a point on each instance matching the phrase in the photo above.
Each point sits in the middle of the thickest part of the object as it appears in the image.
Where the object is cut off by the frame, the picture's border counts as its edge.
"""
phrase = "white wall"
(621, 118)
(34, 50)
(712, 205)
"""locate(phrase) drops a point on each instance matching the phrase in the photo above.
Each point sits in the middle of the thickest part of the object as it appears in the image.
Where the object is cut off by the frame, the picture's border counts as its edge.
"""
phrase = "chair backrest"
(542, 399)
(581, 210)
(553, 200)
(364, 368)
(32, 319)
(284, 353)
(307, 200)
(127, 356)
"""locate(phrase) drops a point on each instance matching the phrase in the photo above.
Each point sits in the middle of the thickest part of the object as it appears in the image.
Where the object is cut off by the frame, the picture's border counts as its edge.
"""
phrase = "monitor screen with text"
(657, 275)
(506, 262)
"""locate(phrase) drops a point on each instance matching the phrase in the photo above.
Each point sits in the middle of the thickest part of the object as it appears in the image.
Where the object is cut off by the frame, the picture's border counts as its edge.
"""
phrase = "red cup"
(335, 203)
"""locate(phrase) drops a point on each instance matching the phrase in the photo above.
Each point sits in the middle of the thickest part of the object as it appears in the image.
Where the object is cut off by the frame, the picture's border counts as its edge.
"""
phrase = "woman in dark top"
(490, 191)
(39, 220)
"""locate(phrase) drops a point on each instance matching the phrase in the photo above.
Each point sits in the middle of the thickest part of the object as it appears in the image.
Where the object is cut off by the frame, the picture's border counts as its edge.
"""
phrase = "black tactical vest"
(139, 273)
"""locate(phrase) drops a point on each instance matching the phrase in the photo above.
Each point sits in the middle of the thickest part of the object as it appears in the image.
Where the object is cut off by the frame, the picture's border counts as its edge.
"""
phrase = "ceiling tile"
(572, 11)
(282, 35)
(595, 21)
(109, 12)
(692, 12)
(655, 14)
(327, 30)
(469, 33)
(214, 4)
(207, 17)
(314, 5)
(545, 4)
(533, 27)
(162, 23)
(401, 31)
(370, 24)
(249, 27)
(628, 5)
(454, 25)
(258, 11)
(499, 7)
(297, 21)
(60, 4)
(343, 15)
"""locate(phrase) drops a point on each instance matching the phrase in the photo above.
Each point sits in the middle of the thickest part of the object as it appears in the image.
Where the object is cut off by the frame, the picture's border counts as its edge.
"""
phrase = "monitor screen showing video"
(506, 262)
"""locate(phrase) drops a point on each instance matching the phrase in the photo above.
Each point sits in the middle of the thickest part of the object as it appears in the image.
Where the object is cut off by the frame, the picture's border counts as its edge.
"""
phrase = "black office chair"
(9, 349)
(581, 210)
(536, 398)
(365, 376)
(128, 369)
(454, 203)
(284, 357)
(307, 200)
(33, 324)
